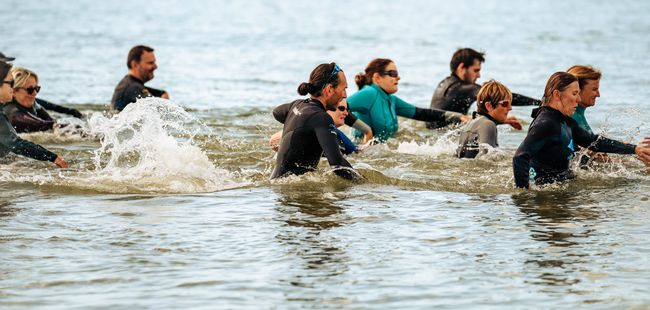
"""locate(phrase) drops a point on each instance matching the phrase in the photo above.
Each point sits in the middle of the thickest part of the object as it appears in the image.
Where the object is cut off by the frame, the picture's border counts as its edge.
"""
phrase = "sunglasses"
(335, 71)
(504, 103)
(342, 108)
(391, 73)
(30, 90)
(10, 82)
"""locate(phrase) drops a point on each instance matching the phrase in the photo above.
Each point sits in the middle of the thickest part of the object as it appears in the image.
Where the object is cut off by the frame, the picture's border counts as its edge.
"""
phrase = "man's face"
(6, 92)
(338, 93)
(472, 73)
(145, 68)
(589, 92)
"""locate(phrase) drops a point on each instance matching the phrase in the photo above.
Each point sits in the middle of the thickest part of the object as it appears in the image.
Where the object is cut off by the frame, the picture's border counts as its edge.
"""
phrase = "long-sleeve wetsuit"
(308, 133)
(480, 131)
(129, 89)
(11, 142)
(57, 108)
(28, 119)
(454, 94)
(549, 145)
(379, 110)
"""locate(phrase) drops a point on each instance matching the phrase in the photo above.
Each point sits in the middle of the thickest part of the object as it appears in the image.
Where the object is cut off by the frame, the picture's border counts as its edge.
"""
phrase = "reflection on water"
(563, 228)
(309, 214)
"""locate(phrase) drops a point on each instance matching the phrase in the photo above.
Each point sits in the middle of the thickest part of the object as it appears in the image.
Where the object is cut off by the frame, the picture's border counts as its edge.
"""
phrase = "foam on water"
(149, 147)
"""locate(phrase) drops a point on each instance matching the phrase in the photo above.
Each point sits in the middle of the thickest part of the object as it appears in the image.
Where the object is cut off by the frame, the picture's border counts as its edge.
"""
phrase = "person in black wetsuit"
(493, 104)
(26, 112)
(553, 134)
(141, 62)
(9, 139)
(458, 91)
(308, 130)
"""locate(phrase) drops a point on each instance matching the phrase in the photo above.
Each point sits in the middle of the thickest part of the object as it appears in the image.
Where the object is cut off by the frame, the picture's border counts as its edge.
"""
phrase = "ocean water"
(169, 205)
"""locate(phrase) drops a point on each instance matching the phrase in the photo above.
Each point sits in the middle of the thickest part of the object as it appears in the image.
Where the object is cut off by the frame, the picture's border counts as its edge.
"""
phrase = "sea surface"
(169, 205)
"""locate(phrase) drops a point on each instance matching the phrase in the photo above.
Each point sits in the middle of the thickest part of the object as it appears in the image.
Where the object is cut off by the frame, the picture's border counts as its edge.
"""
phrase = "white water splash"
(148, 147)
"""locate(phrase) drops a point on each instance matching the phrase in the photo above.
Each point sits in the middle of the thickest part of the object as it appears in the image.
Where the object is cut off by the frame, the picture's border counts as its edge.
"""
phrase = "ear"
(375, 76)
(460, 68)
(488, 106)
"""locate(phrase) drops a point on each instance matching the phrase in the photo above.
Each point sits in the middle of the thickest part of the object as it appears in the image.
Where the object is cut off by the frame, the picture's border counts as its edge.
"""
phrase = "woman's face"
(6, 92)
(500, 110)
(387, 79)
(589, 93)
(340, 113)
(23, 95)
(569, 99)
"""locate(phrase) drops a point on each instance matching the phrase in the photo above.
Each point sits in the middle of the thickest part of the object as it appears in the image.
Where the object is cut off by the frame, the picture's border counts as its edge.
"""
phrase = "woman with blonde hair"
(9, 140)
(26, 112)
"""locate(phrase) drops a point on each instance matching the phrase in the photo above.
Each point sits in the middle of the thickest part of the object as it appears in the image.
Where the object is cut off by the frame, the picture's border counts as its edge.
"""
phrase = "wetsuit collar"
(316, 102)
(135, 78)
(379, 89)
(475, 113)
(539, 110)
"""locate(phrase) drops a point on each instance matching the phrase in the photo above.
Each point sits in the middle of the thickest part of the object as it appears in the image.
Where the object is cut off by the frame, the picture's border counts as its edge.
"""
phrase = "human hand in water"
(513, 122)
(642, 151)
(274, 142)
(367, 137)
(60, 162)
(165, 95)
(464, 118)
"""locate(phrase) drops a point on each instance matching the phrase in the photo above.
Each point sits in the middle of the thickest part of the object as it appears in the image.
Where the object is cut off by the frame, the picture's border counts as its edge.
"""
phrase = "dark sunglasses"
(10, 82)
(342, 108)
(391, 73)
(30, 90)
(335, 71)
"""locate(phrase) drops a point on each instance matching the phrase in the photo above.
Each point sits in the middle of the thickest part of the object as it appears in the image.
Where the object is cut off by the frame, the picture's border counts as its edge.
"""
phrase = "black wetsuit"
(11, 142)
(549, 145)
(454, 94)
(57, 108)
(481, 130)
(129, 89)
(308, 133)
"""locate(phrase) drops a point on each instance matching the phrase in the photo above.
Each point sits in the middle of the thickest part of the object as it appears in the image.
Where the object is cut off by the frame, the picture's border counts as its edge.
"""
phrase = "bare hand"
(274, 142)
(464, 118)
(513, 122)
(367, 137)
(165, 95)
(643, 153)
(60, 162)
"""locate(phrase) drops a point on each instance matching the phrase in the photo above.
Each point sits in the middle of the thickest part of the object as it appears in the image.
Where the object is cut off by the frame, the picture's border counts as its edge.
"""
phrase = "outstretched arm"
(57, 108)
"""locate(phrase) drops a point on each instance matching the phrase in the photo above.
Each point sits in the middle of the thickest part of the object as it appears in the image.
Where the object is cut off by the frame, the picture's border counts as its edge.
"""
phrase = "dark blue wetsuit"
(345, 144)
(550, 144)
(11, 142)
(454, 94)
(308, 133)
(129, 89)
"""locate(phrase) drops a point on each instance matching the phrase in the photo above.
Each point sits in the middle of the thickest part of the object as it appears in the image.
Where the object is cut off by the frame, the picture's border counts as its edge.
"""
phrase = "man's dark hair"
(136, 53)
(4, 69)
(465, 56)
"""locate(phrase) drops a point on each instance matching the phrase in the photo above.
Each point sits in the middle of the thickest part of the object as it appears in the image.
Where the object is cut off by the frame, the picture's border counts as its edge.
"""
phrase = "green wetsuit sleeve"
(403, 108)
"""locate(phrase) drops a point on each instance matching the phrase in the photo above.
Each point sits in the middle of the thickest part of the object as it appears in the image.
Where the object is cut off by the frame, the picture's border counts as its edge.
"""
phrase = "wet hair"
(318, 79)
(466, 56)
(492, 92)
(584, 74)
(558, 81)
(21, 75)
(375, 66)
(136, 54)
(4, 69)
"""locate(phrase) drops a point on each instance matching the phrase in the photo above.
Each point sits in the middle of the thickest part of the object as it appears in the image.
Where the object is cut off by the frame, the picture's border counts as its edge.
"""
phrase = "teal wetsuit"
(379, 110)
(579, 116)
